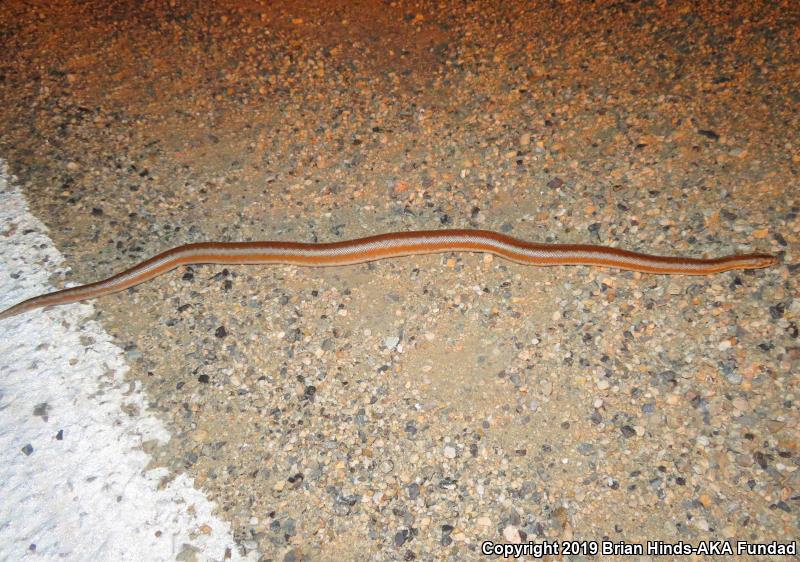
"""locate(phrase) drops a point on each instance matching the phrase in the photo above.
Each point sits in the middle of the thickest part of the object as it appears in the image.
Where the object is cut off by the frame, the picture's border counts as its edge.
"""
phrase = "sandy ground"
(413, 409)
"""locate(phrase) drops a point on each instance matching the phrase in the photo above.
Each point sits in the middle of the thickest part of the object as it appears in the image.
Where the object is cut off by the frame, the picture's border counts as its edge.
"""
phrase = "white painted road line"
(73, 483)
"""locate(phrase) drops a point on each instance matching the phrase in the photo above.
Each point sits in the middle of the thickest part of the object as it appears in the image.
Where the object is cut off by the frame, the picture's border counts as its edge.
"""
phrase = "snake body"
(392, 245)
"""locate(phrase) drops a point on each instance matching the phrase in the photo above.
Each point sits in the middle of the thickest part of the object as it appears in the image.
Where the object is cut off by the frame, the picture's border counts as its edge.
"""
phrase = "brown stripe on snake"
(392, 245)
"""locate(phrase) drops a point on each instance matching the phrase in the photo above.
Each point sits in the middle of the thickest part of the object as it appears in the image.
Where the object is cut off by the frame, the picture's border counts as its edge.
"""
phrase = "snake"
(392, 245)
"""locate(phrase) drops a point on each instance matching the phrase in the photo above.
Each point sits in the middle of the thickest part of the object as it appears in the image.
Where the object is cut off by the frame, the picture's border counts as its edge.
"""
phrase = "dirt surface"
(414, 408)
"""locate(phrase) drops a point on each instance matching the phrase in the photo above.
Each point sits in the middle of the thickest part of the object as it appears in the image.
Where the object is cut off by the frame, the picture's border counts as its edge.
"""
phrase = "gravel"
(403, 409)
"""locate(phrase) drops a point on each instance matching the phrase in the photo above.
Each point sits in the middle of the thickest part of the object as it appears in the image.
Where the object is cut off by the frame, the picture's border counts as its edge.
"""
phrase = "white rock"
(511, 534)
